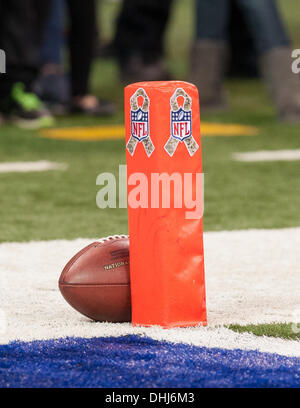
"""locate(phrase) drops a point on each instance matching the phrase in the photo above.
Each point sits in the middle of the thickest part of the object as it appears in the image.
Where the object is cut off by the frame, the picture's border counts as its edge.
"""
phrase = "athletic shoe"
(54, 91)
(24, 109)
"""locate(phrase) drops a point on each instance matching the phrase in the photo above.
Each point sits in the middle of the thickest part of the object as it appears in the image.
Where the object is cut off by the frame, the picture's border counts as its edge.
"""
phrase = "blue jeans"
(261, 16)
(53, 36)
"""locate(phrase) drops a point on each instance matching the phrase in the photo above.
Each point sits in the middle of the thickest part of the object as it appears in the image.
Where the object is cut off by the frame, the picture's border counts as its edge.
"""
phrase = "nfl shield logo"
(139, 124)
(181, 124)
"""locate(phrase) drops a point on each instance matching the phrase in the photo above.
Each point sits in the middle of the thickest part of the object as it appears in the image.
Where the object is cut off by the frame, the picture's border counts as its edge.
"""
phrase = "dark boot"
(208, 64)
(283, 84)
(136, 70)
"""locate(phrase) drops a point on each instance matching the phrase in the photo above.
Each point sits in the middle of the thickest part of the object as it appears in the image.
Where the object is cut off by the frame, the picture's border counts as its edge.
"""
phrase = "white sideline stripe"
(268, 155)
(27, 167)
(252, 277)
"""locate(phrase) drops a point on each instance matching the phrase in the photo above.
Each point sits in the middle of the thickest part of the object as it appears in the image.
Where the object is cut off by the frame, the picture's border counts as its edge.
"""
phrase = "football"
(96, 281)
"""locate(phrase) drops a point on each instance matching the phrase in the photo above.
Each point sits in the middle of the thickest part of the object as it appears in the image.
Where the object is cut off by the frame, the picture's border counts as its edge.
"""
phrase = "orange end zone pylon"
(164, 165)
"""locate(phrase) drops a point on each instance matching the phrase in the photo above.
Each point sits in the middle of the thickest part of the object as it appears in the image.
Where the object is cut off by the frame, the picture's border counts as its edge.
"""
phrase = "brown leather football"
(96, 281)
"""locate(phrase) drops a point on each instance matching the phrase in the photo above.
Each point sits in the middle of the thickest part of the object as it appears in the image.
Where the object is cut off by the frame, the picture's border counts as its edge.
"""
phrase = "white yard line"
(27, 167)
(252, 277)
(268, 155)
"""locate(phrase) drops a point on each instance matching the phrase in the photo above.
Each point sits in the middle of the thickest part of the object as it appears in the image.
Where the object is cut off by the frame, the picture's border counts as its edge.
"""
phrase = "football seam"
(100, 242)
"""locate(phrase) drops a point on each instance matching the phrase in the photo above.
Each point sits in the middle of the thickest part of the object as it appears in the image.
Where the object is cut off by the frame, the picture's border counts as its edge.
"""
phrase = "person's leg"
(208, 60)
(52, 84)
(243, 58)
(265, 23)
(20, 32)
(17, 39)
(81, 43)
(82, 48)
(53, 35)
(139, 39)
(273, 45)
(140, 28)
(212, 19)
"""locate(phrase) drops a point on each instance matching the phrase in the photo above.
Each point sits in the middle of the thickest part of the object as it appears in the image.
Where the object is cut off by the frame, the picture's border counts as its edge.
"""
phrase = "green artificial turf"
(286, 331)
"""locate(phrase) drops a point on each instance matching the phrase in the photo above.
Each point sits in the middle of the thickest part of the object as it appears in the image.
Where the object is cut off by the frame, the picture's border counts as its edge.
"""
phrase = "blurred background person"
(242, 56)
(209, 56)
(53, 83)
(70, 94)
(21, 27)
(139, 40)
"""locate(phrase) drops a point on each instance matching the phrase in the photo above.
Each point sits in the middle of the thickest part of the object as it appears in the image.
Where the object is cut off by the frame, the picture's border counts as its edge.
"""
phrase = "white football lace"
(112, 237)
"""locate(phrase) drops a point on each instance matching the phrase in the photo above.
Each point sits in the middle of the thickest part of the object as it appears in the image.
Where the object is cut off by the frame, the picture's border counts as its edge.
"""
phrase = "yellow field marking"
(109, 132)
(227, 129)
(88, 134)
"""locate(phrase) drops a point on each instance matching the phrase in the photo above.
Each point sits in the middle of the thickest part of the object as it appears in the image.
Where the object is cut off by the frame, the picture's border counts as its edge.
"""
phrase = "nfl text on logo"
(181, 124)
(140, 123)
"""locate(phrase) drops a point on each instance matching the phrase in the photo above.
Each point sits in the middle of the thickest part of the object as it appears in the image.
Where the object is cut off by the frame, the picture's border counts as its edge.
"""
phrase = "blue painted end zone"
(133, 361)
